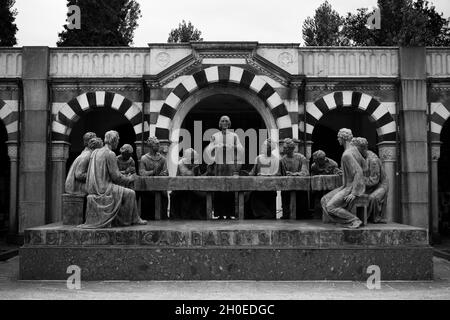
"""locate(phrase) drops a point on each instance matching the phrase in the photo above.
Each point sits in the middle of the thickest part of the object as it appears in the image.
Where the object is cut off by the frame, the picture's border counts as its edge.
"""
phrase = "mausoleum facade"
(398, 98)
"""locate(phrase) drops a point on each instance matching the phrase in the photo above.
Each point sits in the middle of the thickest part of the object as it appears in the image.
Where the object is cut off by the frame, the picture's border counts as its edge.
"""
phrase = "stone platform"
(227, 250)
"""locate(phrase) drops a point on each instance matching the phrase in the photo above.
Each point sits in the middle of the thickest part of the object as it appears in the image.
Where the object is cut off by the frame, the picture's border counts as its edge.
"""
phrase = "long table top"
(238, 183)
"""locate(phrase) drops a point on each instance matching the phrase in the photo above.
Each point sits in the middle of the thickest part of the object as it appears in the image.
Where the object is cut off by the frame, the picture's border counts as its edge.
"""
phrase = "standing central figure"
(225, 152)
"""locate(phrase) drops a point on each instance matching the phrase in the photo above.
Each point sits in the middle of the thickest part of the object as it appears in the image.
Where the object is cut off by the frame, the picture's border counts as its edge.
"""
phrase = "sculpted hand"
(350, 198)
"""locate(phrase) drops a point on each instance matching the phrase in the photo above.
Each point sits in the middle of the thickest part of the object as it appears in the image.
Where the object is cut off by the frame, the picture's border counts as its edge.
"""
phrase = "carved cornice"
(340, 87)
(96, 88)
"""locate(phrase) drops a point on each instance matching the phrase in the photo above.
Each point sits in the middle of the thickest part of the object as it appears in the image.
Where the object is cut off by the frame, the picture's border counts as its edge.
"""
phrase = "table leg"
(209, 208)
(293, 205)
(241, 205)
(157, 205)
(236, 205)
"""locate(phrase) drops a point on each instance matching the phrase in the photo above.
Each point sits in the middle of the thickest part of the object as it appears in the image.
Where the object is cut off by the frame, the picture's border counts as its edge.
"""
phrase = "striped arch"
(10, 117)
(378, 113)
(71, 112)
(224, 74)
(439, 114)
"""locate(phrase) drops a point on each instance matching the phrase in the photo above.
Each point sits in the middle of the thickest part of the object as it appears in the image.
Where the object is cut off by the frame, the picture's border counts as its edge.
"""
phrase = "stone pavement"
(11, 288)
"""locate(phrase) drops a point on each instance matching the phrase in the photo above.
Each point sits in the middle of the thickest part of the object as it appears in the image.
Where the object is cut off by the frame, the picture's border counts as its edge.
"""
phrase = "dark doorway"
(444, 181)
(100, 121)
(242, 114)
(4, 179)
(325, 132)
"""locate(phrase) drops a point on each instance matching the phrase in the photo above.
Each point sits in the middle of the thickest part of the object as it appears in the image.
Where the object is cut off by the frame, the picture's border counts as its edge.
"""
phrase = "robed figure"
(153, 164)
(109, 203)
(224, 155)
(267, 163)
(376, 181)
(188, 204)
(337, 204)
(76, 178)
(295, 164)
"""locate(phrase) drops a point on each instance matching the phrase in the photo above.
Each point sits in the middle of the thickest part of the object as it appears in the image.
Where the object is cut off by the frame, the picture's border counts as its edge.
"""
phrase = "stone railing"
(237, 184)
(10, 63)
(99, 62)
(348, 62)
(438, 62)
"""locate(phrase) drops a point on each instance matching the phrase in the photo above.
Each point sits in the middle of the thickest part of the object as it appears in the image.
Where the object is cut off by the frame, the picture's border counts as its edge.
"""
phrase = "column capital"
(60, 150)
(13, 148)
(387, 150)
(435, 150)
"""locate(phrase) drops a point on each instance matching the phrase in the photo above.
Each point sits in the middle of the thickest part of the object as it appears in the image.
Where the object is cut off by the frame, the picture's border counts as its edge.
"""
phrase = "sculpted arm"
(81, 169)
(164, 171)
(142, 168)
(113, 170)
(374, 173)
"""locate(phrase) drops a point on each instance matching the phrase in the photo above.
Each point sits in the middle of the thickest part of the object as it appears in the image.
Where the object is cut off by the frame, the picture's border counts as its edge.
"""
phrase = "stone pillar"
(13, 163)
(60, 154)
(388, 156)
(33, 138)
(435, 154)
(413, 132)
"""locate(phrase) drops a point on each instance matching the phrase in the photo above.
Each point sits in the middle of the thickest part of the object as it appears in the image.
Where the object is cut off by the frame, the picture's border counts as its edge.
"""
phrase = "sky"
(280, 21)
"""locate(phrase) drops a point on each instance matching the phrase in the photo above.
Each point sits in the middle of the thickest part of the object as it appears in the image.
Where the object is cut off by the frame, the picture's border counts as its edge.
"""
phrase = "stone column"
(13, 163)
(60, 154)
(414, 140)
(435, 154)
(33, 138)
(388, 156)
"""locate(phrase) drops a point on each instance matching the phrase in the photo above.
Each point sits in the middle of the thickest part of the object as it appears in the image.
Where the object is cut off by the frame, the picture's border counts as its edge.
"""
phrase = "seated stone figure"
(377, 185)
(76, 178)
(108, 202)
(153, 163)
(322, 165)
(295, 164)
(337, 204)
(188, 204)
(125, 161)
(263, 203)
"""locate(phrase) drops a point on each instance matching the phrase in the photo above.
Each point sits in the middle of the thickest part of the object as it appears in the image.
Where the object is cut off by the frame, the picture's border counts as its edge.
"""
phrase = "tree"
(403, 23)
(324, 28)
(103, 23)
(8, 28)
(185, 33)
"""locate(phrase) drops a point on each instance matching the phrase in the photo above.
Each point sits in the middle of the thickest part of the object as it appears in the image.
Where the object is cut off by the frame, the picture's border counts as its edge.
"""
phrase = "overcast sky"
(279, 21)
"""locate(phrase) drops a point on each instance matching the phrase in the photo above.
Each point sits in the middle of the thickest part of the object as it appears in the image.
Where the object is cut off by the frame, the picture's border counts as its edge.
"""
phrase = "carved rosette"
(387, 151)
(60, 151)
(285, 59)
(163, 59)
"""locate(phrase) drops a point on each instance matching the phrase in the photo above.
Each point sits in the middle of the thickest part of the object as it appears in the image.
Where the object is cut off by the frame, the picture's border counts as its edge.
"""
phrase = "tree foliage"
(103, 23)
(8, 28)
(324, 28)
(184, 33)
(403, 23)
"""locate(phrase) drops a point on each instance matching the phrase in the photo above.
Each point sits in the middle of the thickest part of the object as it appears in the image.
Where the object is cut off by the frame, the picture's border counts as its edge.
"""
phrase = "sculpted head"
(153, 143)
(319, 157)
(95, 143)
(362, 145)
(126, 151)
(344, 135)
(190, 155)
(288, 145)
(88, 136)
(224, 122)
(112, 139)
(267, 147)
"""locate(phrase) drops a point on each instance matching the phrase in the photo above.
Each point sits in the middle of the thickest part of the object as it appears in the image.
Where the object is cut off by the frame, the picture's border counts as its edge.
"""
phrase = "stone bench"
(73, 207)
(361, 202)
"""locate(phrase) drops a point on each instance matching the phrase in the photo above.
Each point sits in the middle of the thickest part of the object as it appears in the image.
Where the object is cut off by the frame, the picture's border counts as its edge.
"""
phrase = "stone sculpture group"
(107, 180)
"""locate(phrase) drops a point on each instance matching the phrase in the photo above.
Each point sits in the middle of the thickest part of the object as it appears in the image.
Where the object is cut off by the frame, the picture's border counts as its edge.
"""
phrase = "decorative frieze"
(438, 62)
(11, 63)
(348, 62)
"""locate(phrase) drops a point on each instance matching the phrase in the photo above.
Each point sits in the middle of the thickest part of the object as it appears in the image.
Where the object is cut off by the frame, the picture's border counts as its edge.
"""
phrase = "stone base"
(227, 250)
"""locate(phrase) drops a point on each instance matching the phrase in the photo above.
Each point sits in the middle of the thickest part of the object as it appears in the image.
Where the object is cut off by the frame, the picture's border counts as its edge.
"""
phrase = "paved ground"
(11, 288)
